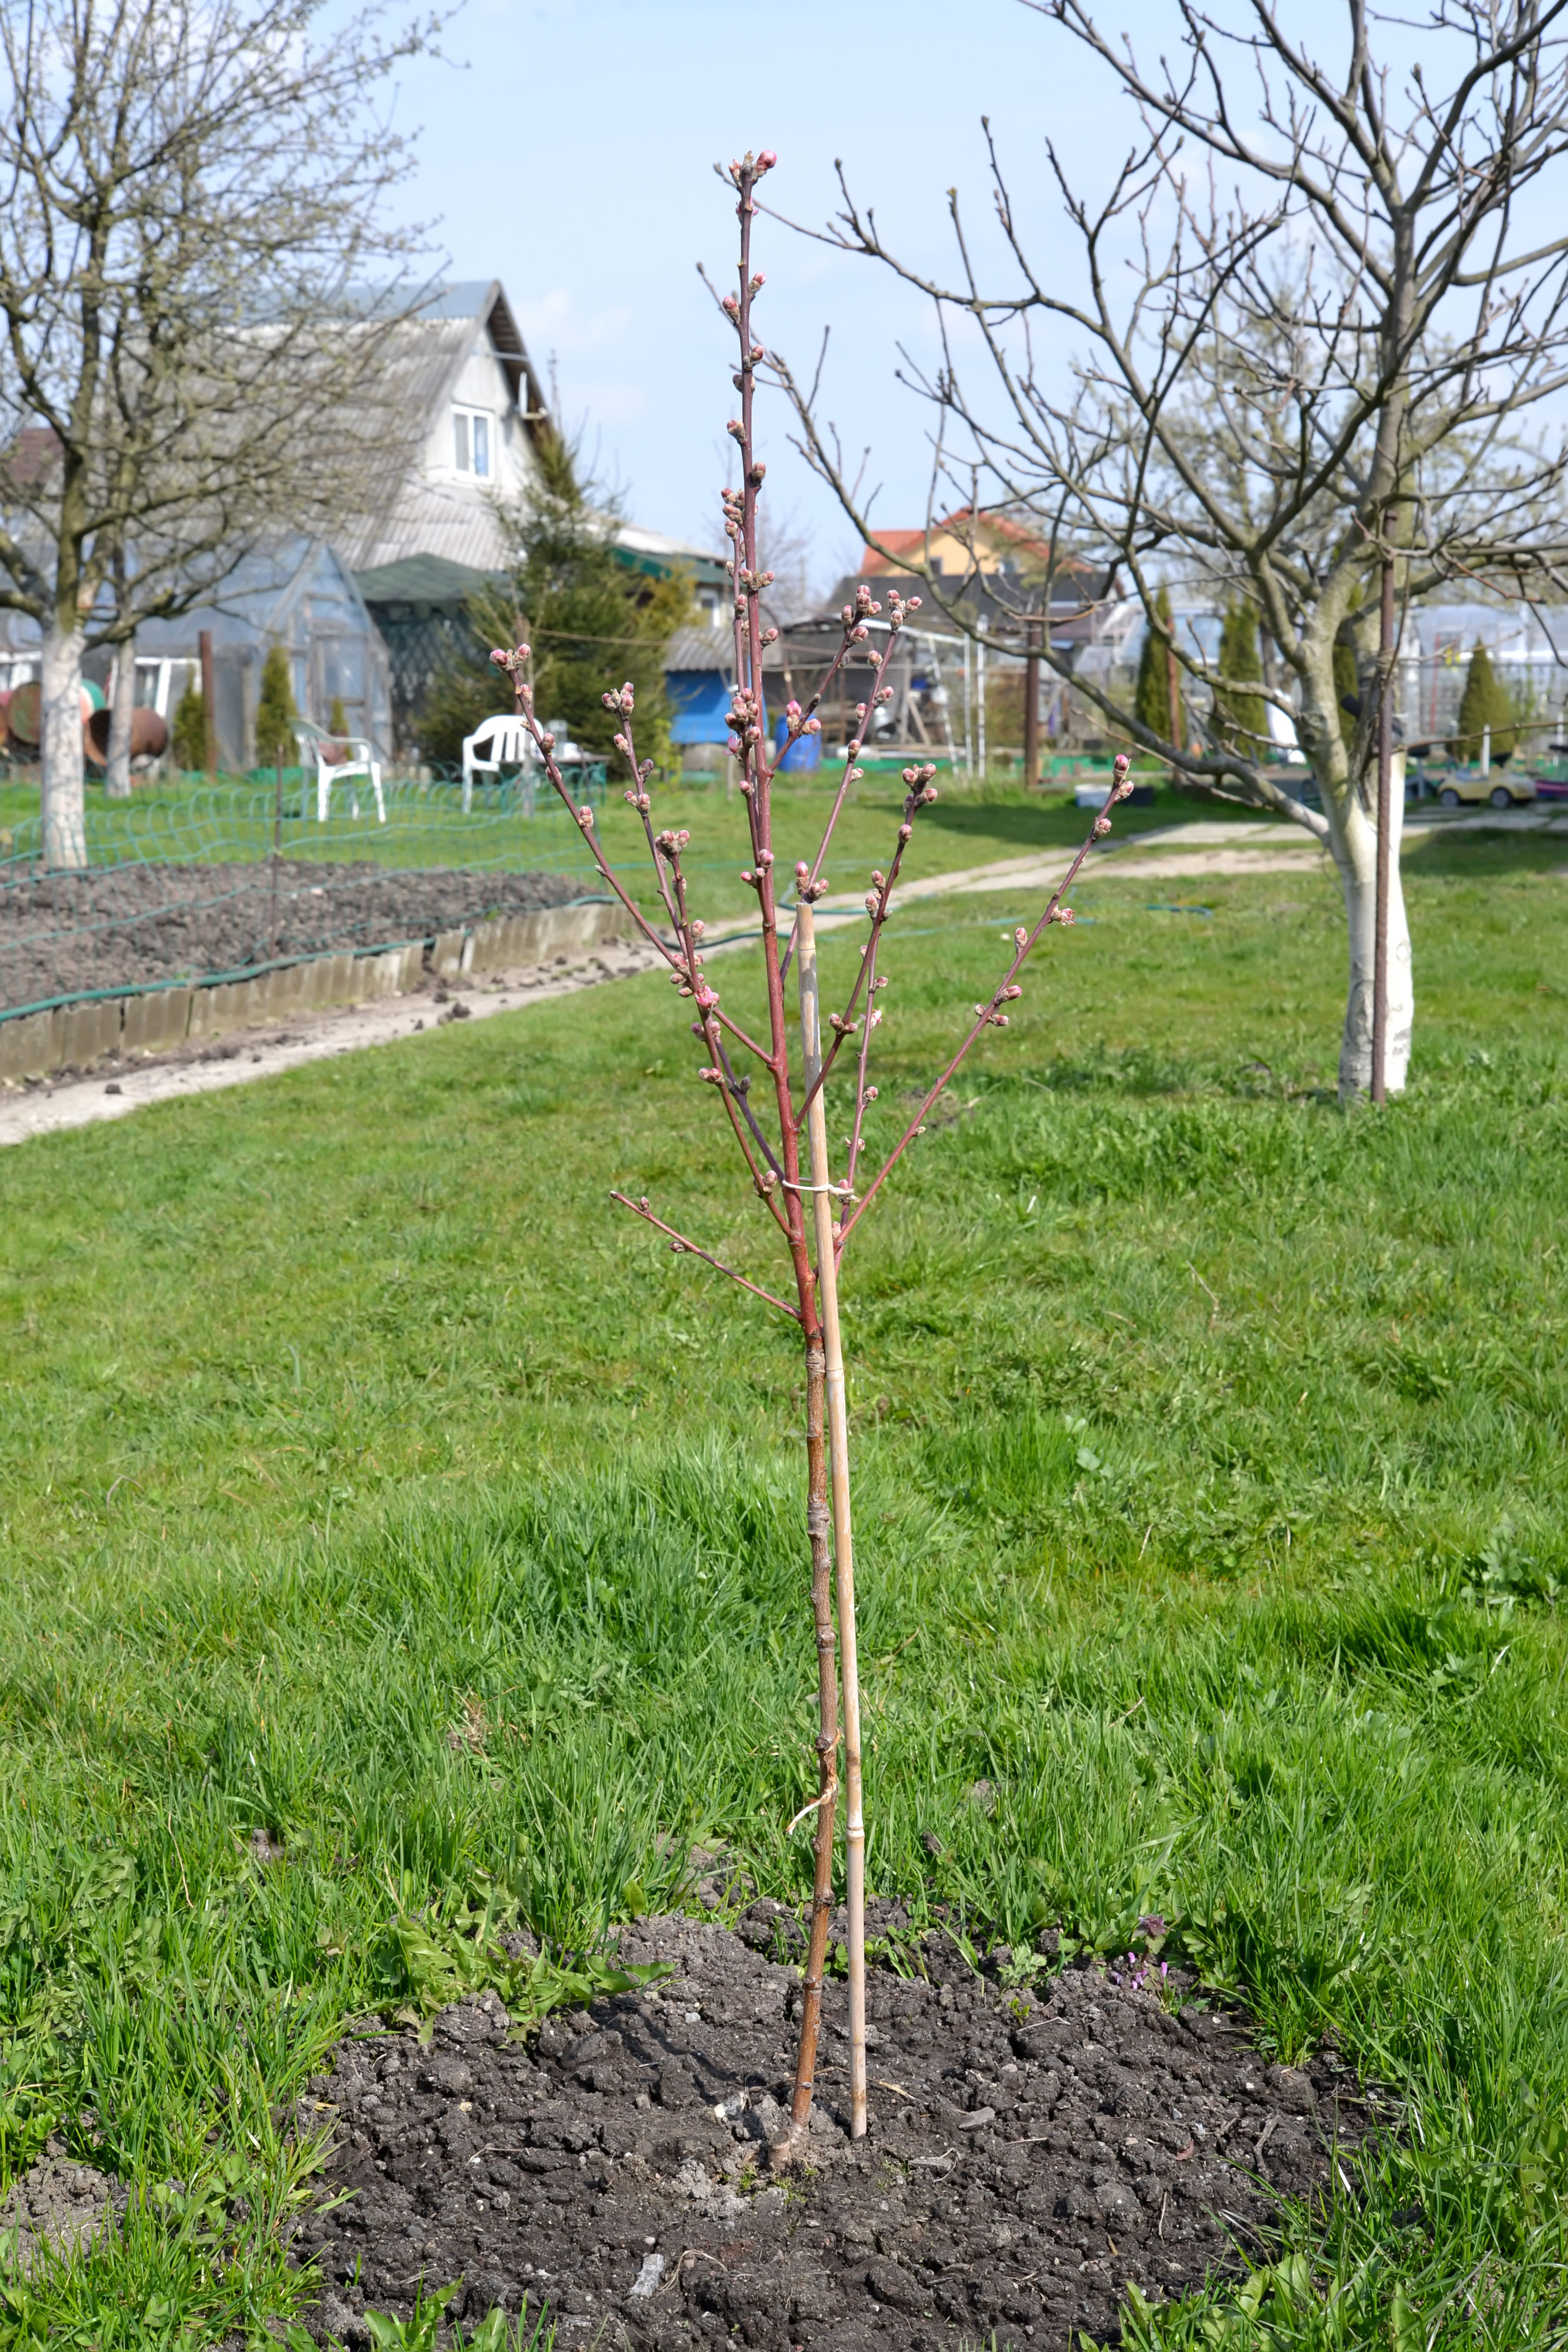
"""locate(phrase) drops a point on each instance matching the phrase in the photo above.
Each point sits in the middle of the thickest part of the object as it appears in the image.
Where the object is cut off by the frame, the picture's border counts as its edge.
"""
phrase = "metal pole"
(980, 708)
(209, 713)
(1032, 705)
(843, 1544)
(1385, 827)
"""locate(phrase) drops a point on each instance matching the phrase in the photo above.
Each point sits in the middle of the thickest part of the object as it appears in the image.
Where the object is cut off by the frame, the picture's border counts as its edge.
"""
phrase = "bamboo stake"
(843, 1544)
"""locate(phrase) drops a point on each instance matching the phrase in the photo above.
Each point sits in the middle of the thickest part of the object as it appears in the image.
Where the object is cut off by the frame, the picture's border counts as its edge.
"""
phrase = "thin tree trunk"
(819, 1524)
(1355, 854)
(117, 774)
(60, 749)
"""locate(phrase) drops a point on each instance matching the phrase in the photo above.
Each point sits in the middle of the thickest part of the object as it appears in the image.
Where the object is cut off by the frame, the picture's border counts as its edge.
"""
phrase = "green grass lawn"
(368, 1483)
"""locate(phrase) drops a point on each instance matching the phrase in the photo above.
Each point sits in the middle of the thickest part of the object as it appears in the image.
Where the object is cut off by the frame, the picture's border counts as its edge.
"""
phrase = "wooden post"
(1385, 826)
(843, 1544)
(209, 711)
(1031, 704)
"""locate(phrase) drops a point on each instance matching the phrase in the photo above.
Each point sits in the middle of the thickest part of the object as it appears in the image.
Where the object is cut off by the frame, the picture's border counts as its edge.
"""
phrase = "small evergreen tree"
(1151, 698)
(1242, 719)
(276, 716)
(190, 728)
(583, 608)
(337, 718)
(1485, 703)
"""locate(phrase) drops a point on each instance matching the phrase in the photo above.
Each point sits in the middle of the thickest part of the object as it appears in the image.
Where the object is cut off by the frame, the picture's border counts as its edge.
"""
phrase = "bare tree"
(191, 194)
(1318, 309)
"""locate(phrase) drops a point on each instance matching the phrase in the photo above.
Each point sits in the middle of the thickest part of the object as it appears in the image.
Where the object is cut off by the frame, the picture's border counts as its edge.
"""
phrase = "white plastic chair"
(315, 743)
(510, 746)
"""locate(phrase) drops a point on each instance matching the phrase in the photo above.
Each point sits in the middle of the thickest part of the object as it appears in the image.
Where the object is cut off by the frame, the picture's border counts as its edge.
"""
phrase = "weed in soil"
(1030, 2153)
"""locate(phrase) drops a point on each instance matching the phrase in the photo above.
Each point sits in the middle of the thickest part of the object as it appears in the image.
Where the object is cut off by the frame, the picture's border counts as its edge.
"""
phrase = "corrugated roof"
(700, 649)
(421, 580)
(431, 518)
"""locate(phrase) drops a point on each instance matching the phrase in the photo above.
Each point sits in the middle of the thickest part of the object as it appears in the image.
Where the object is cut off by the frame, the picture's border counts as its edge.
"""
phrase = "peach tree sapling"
(782, 1138)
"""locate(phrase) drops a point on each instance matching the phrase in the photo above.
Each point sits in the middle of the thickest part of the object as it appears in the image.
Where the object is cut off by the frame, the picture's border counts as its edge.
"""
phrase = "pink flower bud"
(870, 1095)
(502, 660)
(736, 427)
(913, 605)
(1102, 827)
(791, 711)
(766, 160)
(1020, 937)
(585, 817)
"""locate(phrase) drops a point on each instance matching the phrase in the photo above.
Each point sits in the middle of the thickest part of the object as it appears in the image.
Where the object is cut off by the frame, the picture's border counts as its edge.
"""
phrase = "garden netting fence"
(193, 882)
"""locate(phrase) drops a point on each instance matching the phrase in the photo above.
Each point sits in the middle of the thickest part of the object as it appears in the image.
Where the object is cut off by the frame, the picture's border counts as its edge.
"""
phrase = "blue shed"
(698, 676)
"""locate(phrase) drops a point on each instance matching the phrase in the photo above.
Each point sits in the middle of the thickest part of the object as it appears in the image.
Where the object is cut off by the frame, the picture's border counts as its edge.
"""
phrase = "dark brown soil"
(128, 926)
(1028, 2154)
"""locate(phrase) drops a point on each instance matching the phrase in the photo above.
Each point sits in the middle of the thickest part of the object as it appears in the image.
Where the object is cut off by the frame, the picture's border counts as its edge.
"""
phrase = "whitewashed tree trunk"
(117, 773)
(64, 768)
(1354, 842)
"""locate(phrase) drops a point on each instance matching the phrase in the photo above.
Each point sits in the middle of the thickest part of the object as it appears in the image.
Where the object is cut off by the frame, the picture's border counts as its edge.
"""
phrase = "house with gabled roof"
(466, 372)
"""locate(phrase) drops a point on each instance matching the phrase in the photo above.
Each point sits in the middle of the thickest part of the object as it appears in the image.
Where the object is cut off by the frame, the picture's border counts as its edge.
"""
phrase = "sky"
(567, 148)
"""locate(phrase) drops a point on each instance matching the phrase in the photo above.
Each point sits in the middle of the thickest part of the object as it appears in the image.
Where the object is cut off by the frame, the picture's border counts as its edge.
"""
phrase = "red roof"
(912, 544)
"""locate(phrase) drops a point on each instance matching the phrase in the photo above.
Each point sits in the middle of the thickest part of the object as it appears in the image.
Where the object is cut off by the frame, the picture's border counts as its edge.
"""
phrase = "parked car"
(1494, 787)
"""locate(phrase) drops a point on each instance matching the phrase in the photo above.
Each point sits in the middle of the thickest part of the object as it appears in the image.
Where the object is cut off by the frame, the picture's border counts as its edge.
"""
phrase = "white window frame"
(473, 422)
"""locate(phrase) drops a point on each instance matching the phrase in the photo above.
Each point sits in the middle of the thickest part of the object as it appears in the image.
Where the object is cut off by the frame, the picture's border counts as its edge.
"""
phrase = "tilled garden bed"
(1028, 2154)
(131, 926)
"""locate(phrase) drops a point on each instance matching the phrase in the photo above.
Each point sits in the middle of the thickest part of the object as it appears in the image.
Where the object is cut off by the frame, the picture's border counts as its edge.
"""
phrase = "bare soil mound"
(1027, 2155)
(130, 926)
